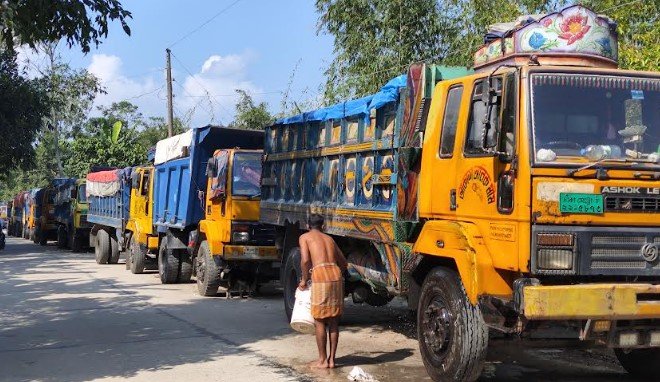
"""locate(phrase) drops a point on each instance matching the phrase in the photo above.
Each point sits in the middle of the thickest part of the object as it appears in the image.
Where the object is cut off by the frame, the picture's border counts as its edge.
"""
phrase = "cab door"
(485, 173)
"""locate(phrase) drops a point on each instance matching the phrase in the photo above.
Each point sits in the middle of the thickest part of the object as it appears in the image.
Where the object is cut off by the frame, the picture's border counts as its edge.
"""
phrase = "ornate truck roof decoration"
(573, 36)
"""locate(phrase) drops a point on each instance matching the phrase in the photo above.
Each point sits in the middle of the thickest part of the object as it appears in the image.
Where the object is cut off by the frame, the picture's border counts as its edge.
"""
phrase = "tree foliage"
(81, 22)
(639, 31)
(22, 107)
(249, 115)
(375, 40)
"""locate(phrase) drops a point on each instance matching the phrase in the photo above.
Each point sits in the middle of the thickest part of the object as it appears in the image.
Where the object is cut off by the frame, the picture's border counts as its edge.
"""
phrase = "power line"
(205, 23)
(146, 93)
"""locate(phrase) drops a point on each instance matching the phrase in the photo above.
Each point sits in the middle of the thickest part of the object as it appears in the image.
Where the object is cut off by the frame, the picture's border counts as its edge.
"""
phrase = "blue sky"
(255, 45)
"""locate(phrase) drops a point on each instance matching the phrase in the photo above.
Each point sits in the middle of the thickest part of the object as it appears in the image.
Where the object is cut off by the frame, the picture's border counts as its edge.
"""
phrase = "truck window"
(246, 174)
(82, 193)
(450, 121)
(144, 189)
(478, 110)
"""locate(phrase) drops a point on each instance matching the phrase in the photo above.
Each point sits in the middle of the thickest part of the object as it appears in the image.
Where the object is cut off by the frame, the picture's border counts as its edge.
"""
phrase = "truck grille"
(625, 203)
(262, 234)
(619, 252)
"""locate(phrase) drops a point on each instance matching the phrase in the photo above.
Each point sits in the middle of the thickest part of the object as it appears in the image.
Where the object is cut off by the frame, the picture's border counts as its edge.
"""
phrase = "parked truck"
(180, 181)
(52, 211)
(142, 239)
(524, 195)
(15, 224)
(71, 215)
(235, 250)
(108, 196)
(33, 211)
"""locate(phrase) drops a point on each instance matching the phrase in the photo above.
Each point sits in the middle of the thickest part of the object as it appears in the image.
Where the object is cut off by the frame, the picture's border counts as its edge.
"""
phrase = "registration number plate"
(574, 203)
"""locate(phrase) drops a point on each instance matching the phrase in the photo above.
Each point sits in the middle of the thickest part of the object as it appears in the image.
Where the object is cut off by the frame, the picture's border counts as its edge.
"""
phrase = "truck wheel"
(62, 240)
(102, 247)
(186, 268)
(292, 275)
(76, 242)
(640, 362)
(136, 258)
(452, 335)
(42, 238)
(207, 271)
(168, 264)
(114, 251)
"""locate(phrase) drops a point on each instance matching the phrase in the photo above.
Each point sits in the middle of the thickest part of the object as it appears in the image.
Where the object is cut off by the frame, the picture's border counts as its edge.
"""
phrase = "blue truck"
(62, 216)
(108, 193)
(180, 183)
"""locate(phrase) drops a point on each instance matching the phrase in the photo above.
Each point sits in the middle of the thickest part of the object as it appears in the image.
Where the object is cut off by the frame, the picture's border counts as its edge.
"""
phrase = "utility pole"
(170, 106)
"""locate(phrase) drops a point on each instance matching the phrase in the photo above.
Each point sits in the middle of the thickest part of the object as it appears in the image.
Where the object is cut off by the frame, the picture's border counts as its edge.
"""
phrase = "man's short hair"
(315, 221)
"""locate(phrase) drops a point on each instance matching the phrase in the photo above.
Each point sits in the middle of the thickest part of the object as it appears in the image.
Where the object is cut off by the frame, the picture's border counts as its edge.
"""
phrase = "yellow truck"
(233, 249)
(143, 240)
(523, 195)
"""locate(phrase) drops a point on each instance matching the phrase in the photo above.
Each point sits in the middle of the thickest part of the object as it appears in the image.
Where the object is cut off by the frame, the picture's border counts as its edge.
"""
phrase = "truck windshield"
(246, 174)
(82, 193)
(587, 118)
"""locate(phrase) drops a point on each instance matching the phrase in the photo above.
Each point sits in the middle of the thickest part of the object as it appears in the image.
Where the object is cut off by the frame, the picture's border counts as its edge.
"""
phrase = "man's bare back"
(318, 248)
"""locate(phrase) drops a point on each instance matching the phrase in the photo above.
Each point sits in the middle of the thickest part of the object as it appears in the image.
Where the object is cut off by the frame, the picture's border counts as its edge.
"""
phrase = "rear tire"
(292, 276)
(207, 271)
(62, 240)
(168, 264)
(114, 251)
(186, 267)
(42, 238)
(641, 363)
(102, 247)
(136, 258)
(452, 334)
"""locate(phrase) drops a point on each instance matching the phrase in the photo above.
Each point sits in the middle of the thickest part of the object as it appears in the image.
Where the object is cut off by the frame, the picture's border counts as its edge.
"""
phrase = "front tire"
(292, 276)
(136, 258)
(76, 242)
(641, 363)
(168, 264)
(452, 334)
(207, 271)
(102, 247)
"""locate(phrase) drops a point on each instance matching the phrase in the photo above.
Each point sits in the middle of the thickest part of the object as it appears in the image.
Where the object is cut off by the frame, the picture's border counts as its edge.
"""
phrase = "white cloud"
(206, 97)
(146, 90)
(211, 91)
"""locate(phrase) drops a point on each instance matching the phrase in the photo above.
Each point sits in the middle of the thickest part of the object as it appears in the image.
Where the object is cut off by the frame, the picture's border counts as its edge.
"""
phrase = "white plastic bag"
(301, 317)
(359, 375)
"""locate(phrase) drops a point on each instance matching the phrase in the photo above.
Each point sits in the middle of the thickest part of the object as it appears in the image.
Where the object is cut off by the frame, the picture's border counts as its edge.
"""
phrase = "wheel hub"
(436, 327)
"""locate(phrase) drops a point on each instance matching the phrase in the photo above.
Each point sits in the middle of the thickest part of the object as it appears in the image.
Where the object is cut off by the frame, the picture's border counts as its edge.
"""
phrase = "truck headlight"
(555, 251)
(555, 259)
(240, 237)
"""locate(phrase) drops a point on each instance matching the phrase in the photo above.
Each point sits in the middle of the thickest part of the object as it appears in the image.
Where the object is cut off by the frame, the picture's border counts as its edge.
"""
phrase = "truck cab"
(235, 247)
(79, 229)
(143, 241)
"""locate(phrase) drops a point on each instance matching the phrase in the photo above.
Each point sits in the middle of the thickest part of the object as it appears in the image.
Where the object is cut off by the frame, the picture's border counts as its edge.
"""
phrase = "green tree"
(81, 22)
(22, 108)
(639, 31)
(249, 115)
(375, 40)
(113, 139)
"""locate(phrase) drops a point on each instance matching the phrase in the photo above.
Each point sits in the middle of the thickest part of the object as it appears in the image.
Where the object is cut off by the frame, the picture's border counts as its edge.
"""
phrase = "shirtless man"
(322, 259)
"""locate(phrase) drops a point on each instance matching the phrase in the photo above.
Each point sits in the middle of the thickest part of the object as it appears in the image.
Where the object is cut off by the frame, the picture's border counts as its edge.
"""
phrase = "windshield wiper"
(255, 196)
(573, 171)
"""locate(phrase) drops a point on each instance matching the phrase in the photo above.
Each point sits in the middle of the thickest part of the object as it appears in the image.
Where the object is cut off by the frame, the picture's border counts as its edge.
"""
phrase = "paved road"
(65, 318)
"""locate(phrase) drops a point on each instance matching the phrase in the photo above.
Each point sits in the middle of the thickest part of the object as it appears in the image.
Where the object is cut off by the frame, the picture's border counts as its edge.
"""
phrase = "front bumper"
(591, 301)
(250, 252)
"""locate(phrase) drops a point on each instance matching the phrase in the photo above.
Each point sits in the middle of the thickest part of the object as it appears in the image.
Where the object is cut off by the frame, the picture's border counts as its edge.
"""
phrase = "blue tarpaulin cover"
(361, 106)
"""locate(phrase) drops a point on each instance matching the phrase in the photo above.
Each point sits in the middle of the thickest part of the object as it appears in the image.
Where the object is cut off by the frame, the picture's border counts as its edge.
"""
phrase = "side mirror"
(212, 168)
(135, 180)
(74, 193)
(505, 192)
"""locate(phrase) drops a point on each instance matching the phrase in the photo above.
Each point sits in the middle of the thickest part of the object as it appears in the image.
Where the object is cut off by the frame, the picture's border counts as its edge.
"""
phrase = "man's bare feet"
(331, 363)
(319, 364)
